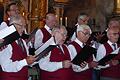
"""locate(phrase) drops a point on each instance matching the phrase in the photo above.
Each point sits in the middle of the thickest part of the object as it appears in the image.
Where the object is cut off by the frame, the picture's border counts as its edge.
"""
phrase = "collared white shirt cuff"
(59, 65)
(23, 62)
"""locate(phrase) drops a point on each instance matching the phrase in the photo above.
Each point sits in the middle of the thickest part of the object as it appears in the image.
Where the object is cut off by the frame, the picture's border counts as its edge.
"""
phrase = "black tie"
(83, 44)
(114, 46)
(20, 43)
(59, 48)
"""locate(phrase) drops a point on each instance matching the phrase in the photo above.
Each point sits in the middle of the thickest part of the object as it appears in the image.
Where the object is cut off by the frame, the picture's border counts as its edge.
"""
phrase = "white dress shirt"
(101, 52)
(73, 53)
(7, 64)
(74, 34)
(47, 65)
(39, 37)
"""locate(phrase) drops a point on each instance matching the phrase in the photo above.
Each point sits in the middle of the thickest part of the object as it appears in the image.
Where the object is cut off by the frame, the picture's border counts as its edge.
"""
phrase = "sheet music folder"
(9, 34)
(45, 48)
(44, 52)
(84, 54)
(109, 57)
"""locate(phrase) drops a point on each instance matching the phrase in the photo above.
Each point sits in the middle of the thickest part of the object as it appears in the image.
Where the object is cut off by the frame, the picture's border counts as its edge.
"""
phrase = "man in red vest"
(83, 18)
(14, 59)
(43, 34)
(111, 70)
(57, 65)
(84, 71)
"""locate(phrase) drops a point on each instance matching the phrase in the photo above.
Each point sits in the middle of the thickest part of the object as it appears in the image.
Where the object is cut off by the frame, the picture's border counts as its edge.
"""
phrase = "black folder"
(44, 52)
(10, 38)
(107, 58)
(84, 54)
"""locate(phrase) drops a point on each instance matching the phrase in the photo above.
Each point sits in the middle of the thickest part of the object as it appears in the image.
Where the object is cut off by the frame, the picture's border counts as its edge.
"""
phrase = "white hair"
(16, 19)
(58, 29)
(82, 17)
(83, 27)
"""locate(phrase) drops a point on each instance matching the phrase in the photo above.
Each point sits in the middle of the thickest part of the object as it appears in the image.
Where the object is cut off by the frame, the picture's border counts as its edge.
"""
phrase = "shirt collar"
(79, 42)
(76, 24)
(47, 28)
(110, 43)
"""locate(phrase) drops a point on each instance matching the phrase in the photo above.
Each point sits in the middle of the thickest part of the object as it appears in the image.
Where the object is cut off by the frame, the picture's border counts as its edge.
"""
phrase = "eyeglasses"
(63, 34)
(86, 34)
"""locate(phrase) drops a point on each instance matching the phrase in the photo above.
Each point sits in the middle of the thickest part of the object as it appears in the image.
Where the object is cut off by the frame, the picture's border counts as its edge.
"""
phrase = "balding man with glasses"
(13, 59)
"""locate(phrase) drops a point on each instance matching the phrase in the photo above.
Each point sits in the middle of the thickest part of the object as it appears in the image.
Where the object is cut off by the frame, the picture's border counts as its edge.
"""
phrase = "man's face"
(13, 10)
(20, 26)
(60, 36)
(113, 35)
(84, 35)
(52, 21)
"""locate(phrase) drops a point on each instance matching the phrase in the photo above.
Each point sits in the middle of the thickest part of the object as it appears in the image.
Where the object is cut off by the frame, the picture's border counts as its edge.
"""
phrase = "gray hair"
(83, 27)
(58, 29)
(82, 16)
(16, 19)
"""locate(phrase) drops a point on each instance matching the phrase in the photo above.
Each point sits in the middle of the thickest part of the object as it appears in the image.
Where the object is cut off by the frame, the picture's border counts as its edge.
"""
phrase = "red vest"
(113, 71)
(84, 75)
(62, 74)
(17, 55)
(46, 35)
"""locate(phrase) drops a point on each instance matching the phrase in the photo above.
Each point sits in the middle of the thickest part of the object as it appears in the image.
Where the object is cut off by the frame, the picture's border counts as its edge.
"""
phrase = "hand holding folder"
(109, 57)
(84, 54)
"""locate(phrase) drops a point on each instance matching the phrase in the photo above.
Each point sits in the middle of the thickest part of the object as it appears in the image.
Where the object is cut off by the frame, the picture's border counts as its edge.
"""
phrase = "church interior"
(67, 11)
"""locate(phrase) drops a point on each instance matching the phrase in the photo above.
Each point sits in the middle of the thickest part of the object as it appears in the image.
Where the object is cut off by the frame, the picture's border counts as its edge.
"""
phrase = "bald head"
(114, 22)
(51, 20)
(49, 15)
